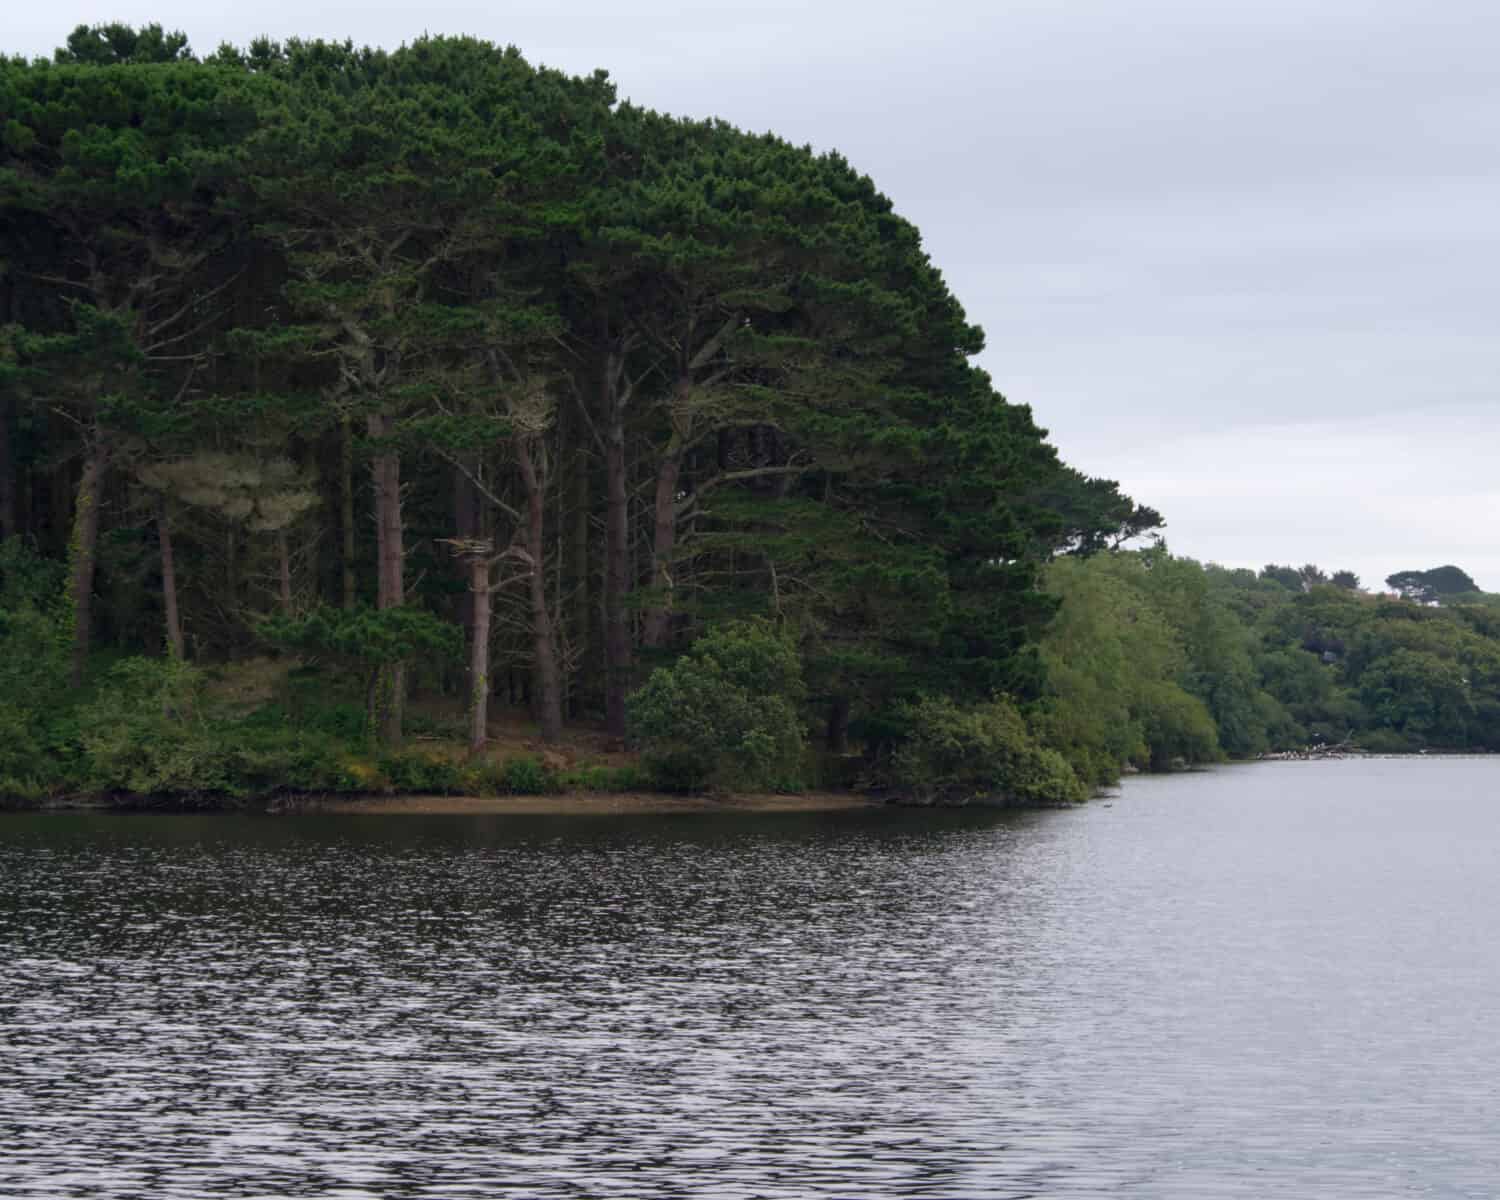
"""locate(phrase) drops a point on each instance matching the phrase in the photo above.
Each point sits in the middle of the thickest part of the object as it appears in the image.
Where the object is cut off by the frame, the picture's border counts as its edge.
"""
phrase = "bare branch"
(714, 344)
(153, 330)
(513, 513)
(688, 502)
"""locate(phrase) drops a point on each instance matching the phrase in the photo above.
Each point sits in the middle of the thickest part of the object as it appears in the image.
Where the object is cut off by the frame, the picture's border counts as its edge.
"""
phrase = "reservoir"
(1279, 979)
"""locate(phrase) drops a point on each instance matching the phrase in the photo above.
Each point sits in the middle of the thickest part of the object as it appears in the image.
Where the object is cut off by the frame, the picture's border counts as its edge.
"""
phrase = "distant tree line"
(1155, 659)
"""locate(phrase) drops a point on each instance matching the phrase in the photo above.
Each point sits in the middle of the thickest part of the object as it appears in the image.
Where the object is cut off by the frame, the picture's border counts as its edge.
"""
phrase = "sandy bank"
(586, 803)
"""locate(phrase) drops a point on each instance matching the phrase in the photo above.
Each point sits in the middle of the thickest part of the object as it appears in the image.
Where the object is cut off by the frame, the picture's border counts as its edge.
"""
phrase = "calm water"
(1278, 980)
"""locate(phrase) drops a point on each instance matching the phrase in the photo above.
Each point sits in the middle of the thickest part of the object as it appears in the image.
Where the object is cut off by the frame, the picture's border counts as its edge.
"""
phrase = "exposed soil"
(587, 803)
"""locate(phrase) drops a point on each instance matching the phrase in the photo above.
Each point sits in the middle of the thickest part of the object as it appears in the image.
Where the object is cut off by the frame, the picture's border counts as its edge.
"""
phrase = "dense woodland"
(1153, 659)
(352, 400)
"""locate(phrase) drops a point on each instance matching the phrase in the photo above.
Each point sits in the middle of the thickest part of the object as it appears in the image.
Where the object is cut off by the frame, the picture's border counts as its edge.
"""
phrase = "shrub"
(481, 777)
(527, 777)
(957, 755)
(365, 641)
(330, 701)
(143, 731)
(149, 730)
(1177, 726)
(417, 771)
(725, 714)
(36, 750)
(594, 778)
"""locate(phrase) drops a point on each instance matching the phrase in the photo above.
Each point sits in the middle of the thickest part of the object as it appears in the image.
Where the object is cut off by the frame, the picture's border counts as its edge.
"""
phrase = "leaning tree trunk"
(390, 558)
(544, 638)
(175, 643)
(84, 548)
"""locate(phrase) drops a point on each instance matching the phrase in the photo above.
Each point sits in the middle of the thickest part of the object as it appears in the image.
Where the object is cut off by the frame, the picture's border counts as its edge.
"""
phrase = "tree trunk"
(8, 526)
(838, 725)
(390, 558)
(175, 643)
(579, 551)
(466, 527)
(346, 507)
(231, 564)
(84, 548)
(544, 638)
(659, 615)
(59, 511)
(284, 564)
(479, 652)
(616, 574)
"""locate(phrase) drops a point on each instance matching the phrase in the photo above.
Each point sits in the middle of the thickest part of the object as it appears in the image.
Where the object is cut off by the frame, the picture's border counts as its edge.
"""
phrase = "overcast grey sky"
(1244, 257)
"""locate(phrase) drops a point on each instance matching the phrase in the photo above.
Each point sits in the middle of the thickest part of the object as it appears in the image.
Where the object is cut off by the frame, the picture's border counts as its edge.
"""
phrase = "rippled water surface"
(1278, 980)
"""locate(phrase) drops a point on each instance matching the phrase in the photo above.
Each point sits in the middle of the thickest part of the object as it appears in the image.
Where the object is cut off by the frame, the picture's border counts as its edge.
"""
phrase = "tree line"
(447, 373)
(1155, 660)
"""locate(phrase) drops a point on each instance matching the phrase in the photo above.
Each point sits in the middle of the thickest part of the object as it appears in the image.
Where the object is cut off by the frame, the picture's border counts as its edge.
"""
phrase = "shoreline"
(573, 803)
(579, 804)
(582, 803)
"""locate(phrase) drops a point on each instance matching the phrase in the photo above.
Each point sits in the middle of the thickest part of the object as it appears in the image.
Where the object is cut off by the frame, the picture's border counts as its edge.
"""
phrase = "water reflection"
(1218, 986)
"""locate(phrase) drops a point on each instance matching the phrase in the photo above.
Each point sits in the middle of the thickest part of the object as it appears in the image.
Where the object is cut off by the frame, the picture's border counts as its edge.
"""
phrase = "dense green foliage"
(954, 754)
(726, 714)
(1434, 585)
(1155, 660)
(448, 380)
(614, 379)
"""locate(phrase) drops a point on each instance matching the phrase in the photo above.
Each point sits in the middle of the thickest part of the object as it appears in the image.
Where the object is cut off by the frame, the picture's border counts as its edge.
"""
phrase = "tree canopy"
(303, 329)
(1432, 586)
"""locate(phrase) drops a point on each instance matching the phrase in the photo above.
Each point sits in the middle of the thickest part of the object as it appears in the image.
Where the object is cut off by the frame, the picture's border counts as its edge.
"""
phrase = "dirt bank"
(585, 803)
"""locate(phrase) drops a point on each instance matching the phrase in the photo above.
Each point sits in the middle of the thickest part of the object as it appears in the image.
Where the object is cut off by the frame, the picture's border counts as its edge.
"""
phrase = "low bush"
(526, 776)
(38, 743)
(724, 715)
(417, 771)
(958, 755)
(149, 731)
(597, 778)
(143, 732)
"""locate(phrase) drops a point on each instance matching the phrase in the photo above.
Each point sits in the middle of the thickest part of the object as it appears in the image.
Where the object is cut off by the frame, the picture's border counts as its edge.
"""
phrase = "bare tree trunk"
(544, 638)
(466, 526)
(175, 641)
(346, 507)
(386, 471)
(664, 542)
(85, 545)
(616, 574)
(479, 652)
(579, 551)
(284, 564)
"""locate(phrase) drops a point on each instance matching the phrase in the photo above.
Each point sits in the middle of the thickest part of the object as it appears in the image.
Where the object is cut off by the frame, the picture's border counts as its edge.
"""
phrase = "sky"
(1242, 257)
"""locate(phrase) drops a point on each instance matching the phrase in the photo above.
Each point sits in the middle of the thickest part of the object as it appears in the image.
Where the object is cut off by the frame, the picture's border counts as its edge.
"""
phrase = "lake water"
(1271, 980)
